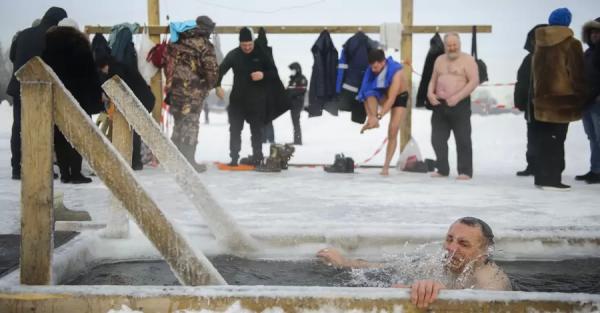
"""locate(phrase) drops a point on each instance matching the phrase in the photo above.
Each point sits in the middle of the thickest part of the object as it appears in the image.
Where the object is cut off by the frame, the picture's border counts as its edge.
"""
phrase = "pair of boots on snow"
(341, 164)
(279, 156)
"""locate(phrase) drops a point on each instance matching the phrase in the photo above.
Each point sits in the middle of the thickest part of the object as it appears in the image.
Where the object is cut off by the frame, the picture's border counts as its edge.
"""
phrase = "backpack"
(155, 55)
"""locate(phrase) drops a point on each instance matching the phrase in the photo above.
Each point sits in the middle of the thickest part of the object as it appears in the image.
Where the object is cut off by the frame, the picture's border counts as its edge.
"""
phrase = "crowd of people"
(552, 96)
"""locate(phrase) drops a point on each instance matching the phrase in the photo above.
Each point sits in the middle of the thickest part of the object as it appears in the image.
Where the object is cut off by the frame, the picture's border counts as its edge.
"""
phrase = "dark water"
(563, 276)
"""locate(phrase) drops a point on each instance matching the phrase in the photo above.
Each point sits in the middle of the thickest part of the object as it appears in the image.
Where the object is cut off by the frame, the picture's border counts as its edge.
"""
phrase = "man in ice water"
(383, 86)
(466, 264)
(455, 76)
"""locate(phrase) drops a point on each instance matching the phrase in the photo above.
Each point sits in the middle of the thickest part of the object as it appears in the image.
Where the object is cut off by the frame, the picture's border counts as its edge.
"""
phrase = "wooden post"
(37, 135)
(406, 51)
(221, 224)
(118, 222)
(189, 265)
(156, 82)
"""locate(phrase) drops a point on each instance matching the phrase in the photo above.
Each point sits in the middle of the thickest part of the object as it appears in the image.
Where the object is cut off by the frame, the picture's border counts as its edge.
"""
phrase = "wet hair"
(486, 230)
(376, 55)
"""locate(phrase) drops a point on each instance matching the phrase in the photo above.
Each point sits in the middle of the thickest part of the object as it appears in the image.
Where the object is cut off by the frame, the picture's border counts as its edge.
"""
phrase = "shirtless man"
(467, 263)
(383, 85)
(454, 78)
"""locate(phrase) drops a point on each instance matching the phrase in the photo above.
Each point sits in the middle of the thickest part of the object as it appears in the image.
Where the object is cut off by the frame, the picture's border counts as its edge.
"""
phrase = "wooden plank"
(430, 29)
(156, 81)
(287, 299)
(191, 267)
(37, 137)
(122, 139)
(314, 29)
(221, 224)
(406, 54)
(291, 29)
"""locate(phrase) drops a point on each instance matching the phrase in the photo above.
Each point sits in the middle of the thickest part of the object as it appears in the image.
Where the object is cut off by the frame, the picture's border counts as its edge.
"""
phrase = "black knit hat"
(245, 34)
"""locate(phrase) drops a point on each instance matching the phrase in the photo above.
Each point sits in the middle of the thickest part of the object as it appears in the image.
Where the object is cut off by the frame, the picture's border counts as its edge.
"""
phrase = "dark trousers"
(15, 138)
(549, 144)
(68, 159)
(269, 133)
(530, 154)
(236, 124)
(444, 120)
(136, 157)
(297, 107)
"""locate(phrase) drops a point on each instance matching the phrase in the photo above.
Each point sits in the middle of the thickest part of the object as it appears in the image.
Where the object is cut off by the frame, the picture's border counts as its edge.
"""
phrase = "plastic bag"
(410, 157)
(146, 68)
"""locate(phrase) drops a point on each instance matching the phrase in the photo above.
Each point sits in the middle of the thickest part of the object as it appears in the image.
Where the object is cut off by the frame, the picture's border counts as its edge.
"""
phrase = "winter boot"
(283, 152)
(338, 166)
(251, 160)
(349, 168)
(270, 165)
(61, 213)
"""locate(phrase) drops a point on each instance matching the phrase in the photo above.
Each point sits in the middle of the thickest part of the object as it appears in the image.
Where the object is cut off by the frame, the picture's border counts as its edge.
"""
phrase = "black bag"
(483, 74)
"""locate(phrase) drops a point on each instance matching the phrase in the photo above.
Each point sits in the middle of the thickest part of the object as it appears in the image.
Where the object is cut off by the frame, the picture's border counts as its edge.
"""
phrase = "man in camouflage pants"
(191, 71)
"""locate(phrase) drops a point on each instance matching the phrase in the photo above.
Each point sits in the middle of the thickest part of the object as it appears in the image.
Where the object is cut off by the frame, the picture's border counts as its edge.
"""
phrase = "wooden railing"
(46, 102)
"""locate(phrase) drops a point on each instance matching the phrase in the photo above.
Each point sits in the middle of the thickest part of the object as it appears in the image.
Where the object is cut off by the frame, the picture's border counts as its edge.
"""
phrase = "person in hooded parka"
(69, 54)
(27, 44)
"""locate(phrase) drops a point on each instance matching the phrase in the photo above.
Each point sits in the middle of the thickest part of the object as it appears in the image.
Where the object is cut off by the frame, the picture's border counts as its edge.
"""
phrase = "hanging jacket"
(30, 43)
(277, 100)
(436, 48)
(355, 55)
(323, 77)
(133, 28)
(123, 49)
(558, 75)
(376, 85)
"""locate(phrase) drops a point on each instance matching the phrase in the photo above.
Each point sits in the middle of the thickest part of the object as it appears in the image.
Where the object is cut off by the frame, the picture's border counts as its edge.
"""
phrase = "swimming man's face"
(463, 245)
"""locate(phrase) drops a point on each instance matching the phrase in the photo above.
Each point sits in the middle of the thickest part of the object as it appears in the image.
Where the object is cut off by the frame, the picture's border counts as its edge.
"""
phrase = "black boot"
(78, 179)
(525, 172)
(584, 176)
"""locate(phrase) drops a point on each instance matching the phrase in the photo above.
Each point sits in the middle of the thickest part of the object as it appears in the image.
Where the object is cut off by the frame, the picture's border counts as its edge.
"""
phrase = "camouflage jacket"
(191, 68)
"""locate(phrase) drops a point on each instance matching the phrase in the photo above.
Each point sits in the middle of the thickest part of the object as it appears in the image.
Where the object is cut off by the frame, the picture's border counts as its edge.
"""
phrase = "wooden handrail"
(190, 266)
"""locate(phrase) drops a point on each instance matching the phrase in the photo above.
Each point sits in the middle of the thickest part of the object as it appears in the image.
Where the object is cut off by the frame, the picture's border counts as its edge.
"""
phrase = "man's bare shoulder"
(491, 277)
(467, 58)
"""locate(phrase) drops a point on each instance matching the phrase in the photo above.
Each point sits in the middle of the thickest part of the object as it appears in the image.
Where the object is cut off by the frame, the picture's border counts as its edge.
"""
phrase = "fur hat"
(246, 34)
(587, 29)
(205, 24)
(560, 17)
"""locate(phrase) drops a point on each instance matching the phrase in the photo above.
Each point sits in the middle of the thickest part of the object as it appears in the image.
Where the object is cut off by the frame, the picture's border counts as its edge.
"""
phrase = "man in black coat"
(248, 100)
(28, 44)
(523, 95)
(69, 54)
